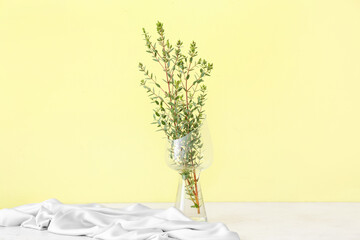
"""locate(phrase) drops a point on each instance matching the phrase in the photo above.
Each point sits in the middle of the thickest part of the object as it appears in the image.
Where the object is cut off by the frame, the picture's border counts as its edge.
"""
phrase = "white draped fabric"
(135, 222)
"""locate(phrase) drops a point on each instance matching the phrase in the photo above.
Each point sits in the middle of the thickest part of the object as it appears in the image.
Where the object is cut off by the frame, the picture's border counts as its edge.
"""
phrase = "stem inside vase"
(191, 185)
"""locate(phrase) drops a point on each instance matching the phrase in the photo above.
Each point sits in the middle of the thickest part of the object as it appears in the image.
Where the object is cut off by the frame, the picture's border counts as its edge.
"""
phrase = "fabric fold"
(136, 222)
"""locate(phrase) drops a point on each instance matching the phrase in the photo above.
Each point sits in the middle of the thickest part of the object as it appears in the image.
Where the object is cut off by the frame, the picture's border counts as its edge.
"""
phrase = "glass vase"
(190, 155)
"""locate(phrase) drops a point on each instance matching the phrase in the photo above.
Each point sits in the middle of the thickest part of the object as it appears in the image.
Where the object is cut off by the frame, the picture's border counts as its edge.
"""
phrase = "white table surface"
(255, 221)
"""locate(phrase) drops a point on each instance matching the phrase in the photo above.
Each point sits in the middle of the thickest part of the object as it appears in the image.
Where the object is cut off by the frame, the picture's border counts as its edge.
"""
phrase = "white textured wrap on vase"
(136, 222)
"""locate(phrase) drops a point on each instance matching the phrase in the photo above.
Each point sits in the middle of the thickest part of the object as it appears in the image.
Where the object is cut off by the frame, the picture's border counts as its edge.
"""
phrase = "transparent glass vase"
(189, 156)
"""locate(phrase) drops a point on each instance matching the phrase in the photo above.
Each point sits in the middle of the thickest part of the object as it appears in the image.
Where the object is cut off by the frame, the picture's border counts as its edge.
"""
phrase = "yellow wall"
(283, 103)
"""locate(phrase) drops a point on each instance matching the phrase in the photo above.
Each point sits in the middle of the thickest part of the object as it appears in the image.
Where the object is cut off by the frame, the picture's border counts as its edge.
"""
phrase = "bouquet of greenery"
(179, 99)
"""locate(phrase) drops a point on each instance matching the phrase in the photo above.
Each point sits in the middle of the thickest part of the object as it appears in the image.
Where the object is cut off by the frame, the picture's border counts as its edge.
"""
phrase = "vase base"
(199, 219)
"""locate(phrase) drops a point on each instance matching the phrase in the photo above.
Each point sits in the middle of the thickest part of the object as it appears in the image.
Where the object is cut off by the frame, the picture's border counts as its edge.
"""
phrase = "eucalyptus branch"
(179, 106)
(150, 76)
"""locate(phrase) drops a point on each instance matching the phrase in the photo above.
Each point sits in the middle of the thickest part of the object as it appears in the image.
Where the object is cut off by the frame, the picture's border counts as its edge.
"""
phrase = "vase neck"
(190, 173)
